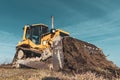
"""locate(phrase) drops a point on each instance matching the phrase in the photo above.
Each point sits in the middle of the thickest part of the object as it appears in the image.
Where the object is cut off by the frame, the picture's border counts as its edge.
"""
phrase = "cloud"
(8, 42)
(103, 32)
(107, 26)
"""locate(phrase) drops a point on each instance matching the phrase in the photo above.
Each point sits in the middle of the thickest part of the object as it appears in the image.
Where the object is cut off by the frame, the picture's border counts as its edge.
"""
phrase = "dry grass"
(32, 74)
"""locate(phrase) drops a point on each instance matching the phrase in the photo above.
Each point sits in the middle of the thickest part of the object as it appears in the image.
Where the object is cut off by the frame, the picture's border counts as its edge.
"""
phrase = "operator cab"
(35, 32)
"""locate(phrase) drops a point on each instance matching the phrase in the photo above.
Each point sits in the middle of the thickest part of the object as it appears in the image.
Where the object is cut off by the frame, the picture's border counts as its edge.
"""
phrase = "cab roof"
(39, 25)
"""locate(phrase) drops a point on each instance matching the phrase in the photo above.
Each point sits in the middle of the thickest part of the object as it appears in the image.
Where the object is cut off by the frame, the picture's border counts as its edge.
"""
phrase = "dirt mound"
(80, 56)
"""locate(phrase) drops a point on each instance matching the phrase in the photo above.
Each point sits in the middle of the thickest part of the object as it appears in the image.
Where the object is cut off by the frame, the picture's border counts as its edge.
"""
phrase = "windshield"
(35, 33)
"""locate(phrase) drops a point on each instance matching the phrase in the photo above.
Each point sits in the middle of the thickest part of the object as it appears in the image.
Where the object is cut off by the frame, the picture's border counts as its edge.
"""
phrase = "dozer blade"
(35, 65)
(31, 64)
(58, 57)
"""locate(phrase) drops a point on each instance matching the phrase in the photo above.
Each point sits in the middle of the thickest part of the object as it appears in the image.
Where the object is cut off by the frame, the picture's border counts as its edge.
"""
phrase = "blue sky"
(94, 21)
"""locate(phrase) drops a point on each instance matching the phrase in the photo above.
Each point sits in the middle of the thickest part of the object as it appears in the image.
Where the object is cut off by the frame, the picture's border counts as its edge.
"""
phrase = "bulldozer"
(39, 44)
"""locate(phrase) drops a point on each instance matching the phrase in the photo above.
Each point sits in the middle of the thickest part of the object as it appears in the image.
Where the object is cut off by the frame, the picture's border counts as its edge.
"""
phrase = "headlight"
(52, 31)
(44, 42)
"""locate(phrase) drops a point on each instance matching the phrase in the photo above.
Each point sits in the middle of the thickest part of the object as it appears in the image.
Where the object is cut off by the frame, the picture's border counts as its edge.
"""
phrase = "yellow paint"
(24, 33)
(48, 38)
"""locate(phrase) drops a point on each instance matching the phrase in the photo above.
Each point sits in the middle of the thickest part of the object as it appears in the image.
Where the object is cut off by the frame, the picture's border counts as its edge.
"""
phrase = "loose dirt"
(80, 57)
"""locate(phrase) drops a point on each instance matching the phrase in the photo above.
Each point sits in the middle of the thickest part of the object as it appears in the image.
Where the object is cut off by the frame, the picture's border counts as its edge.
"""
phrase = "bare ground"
(33, 74)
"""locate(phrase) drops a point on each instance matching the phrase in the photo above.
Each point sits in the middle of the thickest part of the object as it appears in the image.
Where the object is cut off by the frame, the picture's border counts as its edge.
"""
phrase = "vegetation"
(32, 74)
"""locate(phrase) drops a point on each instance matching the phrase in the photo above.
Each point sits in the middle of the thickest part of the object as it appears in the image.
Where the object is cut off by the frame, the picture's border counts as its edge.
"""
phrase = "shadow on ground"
(51, 78)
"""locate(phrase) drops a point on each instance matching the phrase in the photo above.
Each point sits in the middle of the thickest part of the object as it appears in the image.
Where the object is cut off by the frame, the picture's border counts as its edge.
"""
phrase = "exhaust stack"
(52, 22)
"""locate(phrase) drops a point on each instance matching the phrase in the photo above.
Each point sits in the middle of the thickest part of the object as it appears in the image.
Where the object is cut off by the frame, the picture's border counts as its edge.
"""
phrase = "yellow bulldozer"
(38, 45)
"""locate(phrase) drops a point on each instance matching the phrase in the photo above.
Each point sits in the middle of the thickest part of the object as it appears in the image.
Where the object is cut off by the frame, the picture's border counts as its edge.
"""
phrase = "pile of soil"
(80, 56)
